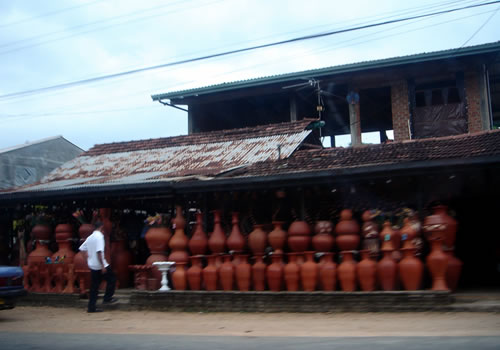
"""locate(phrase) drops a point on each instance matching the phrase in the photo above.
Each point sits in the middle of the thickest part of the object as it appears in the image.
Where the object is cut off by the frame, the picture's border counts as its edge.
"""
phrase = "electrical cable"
(481, 27)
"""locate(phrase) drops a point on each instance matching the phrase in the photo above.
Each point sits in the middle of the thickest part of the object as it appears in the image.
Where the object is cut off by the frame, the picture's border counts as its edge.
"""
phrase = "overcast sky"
(52, 42)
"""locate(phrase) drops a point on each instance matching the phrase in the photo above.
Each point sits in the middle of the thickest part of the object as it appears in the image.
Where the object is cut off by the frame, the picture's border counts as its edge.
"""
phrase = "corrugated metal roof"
(173, 163)
(315, 73)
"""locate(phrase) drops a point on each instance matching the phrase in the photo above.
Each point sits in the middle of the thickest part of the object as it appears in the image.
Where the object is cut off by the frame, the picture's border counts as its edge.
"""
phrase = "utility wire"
(251, 48)
(481, 27)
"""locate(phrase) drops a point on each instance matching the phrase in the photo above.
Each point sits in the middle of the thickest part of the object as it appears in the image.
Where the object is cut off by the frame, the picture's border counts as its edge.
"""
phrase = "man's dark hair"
(98, 224)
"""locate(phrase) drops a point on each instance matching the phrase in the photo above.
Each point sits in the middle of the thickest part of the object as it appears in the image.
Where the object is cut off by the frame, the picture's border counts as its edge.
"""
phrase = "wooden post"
(354, 118)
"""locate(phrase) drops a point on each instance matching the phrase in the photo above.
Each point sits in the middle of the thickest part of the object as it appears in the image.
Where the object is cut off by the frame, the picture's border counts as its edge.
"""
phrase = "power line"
(481, 27)
(226, 53)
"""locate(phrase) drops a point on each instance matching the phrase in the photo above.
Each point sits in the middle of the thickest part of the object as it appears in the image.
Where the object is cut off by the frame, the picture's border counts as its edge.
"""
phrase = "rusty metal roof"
(200, 156)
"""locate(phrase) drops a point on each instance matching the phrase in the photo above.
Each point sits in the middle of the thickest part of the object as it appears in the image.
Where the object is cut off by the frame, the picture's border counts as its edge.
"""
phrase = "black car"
(11, 286)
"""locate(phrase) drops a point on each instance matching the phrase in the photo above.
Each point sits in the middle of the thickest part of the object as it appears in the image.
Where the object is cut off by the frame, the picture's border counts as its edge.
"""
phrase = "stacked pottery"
(257, 240)
(179, 276)
(80, 261)
(435, 227)
(41, 234)
(121, 258)
(292, 273)
(410, 269)
(387, 267)
(210, 274)
(347, 231)
(179, 241)
(346, 272)
(327, 272)
(226, 273)
(64, 234)
(277, 237)
(309, 273)
(217, 240)
(450, 225)
(199, 241)
(259, 273)
(299, 236)
(323, 240)
(369, 231)
(157, 239)
(274, 273)
(236, 241)
(243, 272)
(193, 274)
(367, 272)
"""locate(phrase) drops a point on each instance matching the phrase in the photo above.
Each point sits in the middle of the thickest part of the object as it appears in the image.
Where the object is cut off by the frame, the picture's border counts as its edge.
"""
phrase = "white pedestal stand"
(164, 266)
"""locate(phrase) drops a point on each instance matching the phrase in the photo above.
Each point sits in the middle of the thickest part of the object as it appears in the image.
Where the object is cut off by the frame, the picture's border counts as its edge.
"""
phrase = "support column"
(400, 110)
(293, 108)
(354, 118)
(190, 120)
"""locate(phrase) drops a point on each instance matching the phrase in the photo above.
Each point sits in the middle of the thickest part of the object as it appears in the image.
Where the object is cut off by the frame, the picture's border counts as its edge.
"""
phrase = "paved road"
(56, 341)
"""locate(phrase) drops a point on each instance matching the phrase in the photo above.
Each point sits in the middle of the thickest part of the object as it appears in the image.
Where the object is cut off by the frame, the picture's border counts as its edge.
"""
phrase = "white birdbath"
(164, 266)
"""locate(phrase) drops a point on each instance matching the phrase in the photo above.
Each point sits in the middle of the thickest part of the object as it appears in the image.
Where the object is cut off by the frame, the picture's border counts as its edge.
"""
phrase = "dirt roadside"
(59, 320)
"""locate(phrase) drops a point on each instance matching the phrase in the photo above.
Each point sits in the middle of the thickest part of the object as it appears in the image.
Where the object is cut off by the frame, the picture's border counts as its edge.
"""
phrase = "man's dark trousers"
(96, 277)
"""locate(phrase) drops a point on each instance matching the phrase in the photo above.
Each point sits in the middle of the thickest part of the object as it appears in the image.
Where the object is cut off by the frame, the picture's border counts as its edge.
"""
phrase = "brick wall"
(473, 101)
(400, 110)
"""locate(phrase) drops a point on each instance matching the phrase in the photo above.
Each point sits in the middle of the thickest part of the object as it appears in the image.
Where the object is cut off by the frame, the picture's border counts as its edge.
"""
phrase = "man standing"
(99, 268)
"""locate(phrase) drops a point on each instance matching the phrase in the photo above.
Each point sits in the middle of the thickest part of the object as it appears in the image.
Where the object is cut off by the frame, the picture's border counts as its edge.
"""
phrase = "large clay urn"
(408, 233)
(199, 241)
(121, 258)
(346, 272)
(179, 279)
(437, 263)
(327, 272)
(292, 273)
(64, 235)
(299, 236)
(259, 273)
(370, 232)
(41, 234)
(193, 274)
(453, 270)
(257, 240)
(309, 272)
(347, 230)
(449, 229)
(323, 240)
(367, 272)
(277, 237)
(210, 275)
(226, 273)
(107, 230)
(411, 270)
(217, 239)
(274, 272)
(179, 241)
(80, 260)
(157, 239)
(243, 272)
(386, 236)
(236, 241)
(387, 270)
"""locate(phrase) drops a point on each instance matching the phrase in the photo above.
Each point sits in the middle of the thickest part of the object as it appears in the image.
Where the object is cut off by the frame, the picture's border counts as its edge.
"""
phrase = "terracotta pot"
(179, 276)
(309, 271)
(157, 239)
(41, 234)
(210, 274)
(408, 233)
(347, 230)
(347, 242)
(327, 272)
(259, 273)
(387, 237)
(323, 240)
(193, 274)
(453, 270)
(346, 272)
(179, 241)
(82, 270)
(199, 241)
(411, 270)
(370, 233)
(257, 240)
(387, 271)
(274, 273)
(64, 234)
(236, 241)
(226, 273)
(121, 258)
(292, 273)
(299, 236)
(449, 225)
(367, 272)
(243, 272)
(217, 240)
(437, 263)
(107, 230)
(277, 237)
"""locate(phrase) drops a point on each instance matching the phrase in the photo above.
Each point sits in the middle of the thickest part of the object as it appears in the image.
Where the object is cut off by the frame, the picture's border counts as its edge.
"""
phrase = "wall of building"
(400, 110)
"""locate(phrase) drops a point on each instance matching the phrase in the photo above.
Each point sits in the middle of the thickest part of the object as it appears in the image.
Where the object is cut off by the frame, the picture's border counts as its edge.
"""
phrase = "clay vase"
(217, 240)
(236, 241)
(347, 230)
(386, 236)
(257, 240)
(453, 270)
(107, 228)
(259, 274)
(309, 271)
(323, 240)
(243, 272)
(210, 274)
(437, 263)
(299, 236)
(367, 272)
(292, 273)
(370, 233)
(42, 235)
(179, 276)
(64, 233)
(440, 215)
(274, 273)
(157, 239)
(226, 273)
(199, 241)
(82, 270)
(179, 241)
(408, 233)
(387, 271)
(277, 237)
(327, 273)
(193, 274)
(346, 272)
(121, 258)
(411, 270)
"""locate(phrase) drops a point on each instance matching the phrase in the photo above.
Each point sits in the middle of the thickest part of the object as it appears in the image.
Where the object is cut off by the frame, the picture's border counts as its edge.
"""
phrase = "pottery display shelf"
(163, 267)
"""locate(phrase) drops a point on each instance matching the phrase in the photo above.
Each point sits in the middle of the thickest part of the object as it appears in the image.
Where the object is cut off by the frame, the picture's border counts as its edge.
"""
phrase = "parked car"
(11, 286)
